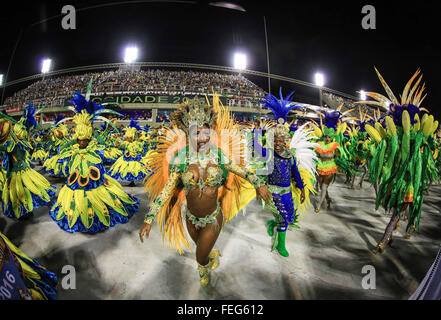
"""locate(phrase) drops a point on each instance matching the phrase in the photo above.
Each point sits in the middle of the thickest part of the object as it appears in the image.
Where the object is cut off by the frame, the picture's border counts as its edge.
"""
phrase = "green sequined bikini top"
(214, 178)
(216, 173)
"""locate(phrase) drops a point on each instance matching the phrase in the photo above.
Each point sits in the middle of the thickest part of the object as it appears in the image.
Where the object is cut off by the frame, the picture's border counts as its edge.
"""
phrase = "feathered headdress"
(135, 124)
(29, 116)
(293, 127)
(194, 111)
(334, 122)
(132, 129)
(363, 120)
(280, 108)
(86, 112)
(27, 121)
(411, 99)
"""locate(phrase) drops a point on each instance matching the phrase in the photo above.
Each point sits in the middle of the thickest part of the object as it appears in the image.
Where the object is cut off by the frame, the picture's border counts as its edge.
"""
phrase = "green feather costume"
(401, 161)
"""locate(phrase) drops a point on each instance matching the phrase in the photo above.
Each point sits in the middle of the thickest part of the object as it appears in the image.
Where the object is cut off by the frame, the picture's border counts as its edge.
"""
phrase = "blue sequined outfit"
(285, 208)
(284, 170)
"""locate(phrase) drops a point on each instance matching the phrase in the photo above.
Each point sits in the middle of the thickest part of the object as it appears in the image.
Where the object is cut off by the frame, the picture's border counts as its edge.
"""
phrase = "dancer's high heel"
(214, 259)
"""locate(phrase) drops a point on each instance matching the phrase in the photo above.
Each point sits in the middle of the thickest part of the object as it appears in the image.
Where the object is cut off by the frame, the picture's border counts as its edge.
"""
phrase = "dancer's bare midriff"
(202, 201)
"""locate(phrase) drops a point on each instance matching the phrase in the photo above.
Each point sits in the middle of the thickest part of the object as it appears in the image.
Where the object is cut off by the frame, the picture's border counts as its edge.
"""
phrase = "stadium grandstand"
(150, 95)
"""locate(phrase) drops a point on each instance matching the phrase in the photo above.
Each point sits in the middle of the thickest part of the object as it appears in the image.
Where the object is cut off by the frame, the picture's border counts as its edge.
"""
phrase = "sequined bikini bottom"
(200, 223)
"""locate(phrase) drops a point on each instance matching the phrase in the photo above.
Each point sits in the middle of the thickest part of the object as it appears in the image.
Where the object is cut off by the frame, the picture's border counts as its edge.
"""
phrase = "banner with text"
(146, 98)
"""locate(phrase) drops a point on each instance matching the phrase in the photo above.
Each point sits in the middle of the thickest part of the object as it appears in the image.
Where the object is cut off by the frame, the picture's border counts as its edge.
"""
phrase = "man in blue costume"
(282, 171)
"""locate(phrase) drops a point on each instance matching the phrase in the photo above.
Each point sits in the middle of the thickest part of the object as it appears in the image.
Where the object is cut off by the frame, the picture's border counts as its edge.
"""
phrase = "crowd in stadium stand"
(53, 90)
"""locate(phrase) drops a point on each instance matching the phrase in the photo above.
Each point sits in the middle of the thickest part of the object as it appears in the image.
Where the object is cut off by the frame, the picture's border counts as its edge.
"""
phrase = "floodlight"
(319, 79)
(240, 61)
(131, 54)
(46, 65)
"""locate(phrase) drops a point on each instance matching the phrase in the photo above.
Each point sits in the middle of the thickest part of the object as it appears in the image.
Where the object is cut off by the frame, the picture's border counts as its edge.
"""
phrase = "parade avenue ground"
(327, 254)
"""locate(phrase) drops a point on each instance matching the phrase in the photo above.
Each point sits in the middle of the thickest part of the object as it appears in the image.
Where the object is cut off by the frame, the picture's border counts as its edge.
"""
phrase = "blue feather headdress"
(134, 124)
(84, 103)
(362, 125)
(280, 108)
(29, 116)
(80, 103)
(293, 127)
(331, 118)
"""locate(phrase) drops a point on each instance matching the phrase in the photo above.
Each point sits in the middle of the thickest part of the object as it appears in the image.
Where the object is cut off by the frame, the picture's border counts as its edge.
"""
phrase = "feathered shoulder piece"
(280, 108)
(323, 148)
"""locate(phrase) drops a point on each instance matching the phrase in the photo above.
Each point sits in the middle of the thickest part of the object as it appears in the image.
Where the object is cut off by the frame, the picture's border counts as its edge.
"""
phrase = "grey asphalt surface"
(327, 254)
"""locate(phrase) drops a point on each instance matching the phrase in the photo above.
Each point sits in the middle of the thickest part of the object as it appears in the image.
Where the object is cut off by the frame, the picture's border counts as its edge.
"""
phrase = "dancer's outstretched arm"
(157, 204)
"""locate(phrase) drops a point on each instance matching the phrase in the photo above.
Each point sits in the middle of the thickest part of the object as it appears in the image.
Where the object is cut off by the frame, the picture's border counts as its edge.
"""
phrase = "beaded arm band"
(163, 197)
(245, 174)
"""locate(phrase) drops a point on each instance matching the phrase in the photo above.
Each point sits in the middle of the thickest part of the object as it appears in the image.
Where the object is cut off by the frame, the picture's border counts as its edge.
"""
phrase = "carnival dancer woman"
(39, 155)
(59, 140)
(199, 177)
(90, 201)
(331, 135)
(129, 166)
(106, 137)
(326, 167)
(359, 147)
(24, 189)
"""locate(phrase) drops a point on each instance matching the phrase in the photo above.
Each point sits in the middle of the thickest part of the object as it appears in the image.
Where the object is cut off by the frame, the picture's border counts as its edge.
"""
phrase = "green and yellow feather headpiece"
(87, 112)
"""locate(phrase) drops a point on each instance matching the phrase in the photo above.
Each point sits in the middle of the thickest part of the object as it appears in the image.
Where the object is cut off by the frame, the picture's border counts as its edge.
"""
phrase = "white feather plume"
(304, 149)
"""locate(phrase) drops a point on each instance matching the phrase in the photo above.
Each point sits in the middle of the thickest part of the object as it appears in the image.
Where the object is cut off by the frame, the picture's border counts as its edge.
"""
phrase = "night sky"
(304, 37)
